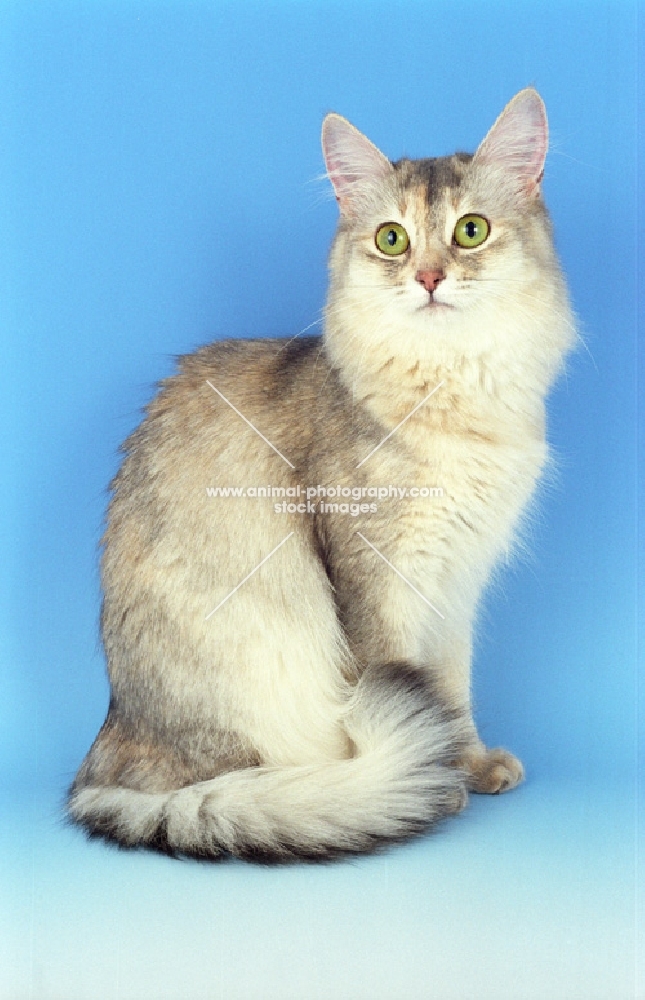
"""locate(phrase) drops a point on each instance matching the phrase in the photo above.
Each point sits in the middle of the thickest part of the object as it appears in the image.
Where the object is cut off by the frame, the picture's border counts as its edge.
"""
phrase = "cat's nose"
(430, 279)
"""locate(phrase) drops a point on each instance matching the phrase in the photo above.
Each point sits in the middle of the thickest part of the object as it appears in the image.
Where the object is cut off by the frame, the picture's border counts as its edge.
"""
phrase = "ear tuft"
(354, 164)
(519, 140)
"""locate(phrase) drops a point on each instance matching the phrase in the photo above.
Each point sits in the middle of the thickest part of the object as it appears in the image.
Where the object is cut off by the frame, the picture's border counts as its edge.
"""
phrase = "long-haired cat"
(290, 667)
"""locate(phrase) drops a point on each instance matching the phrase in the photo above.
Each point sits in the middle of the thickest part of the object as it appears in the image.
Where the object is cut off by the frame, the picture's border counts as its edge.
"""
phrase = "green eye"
(471, 231)
(392, 239)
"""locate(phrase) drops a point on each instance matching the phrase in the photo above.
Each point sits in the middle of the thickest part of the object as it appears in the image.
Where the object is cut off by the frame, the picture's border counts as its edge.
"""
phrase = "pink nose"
(430, 279)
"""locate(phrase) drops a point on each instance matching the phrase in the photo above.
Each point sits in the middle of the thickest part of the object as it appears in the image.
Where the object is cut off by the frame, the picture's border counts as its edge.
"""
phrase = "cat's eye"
(471, 231)
(392, 239)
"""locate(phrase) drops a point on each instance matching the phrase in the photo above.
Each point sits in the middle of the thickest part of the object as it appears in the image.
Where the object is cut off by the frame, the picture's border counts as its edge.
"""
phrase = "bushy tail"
(397, 785)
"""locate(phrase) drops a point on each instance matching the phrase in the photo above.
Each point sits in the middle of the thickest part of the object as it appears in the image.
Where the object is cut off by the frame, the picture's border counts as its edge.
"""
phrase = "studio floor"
(529, 896)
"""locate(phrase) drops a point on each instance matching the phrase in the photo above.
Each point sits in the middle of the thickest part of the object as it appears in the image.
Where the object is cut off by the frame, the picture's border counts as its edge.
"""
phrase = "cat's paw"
(491, 771)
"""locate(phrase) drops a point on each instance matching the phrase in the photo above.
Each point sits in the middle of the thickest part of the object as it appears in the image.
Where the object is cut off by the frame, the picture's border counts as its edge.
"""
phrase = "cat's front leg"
(488, 770)
(385, 621)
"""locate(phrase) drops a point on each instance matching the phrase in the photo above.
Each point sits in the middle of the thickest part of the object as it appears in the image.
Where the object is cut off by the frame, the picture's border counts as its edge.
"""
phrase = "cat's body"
(321, 702)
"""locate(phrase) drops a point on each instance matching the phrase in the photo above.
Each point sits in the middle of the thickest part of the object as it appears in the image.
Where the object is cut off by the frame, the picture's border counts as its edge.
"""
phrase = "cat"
(290, 667)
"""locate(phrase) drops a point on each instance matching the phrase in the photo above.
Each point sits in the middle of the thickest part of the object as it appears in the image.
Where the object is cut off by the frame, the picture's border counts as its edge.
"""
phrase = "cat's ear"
(354, 164)
(519, 140)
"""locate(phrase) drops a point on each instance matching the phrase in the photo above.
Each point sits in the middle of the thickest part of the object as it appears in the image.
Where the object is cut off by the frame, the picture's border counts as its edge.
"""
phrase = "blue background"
(160, 187)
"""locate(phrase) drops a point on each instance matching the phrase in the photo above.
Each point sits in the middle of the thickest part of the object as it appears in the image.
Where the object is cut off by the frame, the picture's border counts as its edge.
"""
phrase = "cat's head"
(437, 247)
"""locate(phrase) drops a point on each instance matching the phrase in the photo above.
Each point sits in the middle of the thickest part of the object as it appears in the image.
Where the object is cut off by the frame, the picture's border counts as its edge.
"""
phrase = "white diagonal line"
(398, 573)
(250, 424)
(400, 423)
(249, 575)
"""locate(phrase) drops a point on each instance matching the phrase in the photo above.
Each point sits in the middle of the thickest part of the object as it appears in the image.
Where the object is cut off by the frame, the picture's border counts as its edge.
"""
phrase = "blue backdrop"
(160, 187)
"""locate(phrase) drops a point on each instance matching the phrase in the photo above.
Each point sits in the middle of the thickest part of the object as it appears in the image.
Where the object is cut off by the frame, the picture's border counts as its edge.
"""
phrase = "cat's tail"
(401, 780)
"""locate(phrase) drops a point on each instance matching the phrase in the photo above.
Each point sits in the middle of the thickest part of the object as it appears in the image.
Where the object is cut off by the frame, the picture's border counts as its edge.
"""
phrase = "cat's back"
(238, 413)
(224, 399)
(262, 377)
